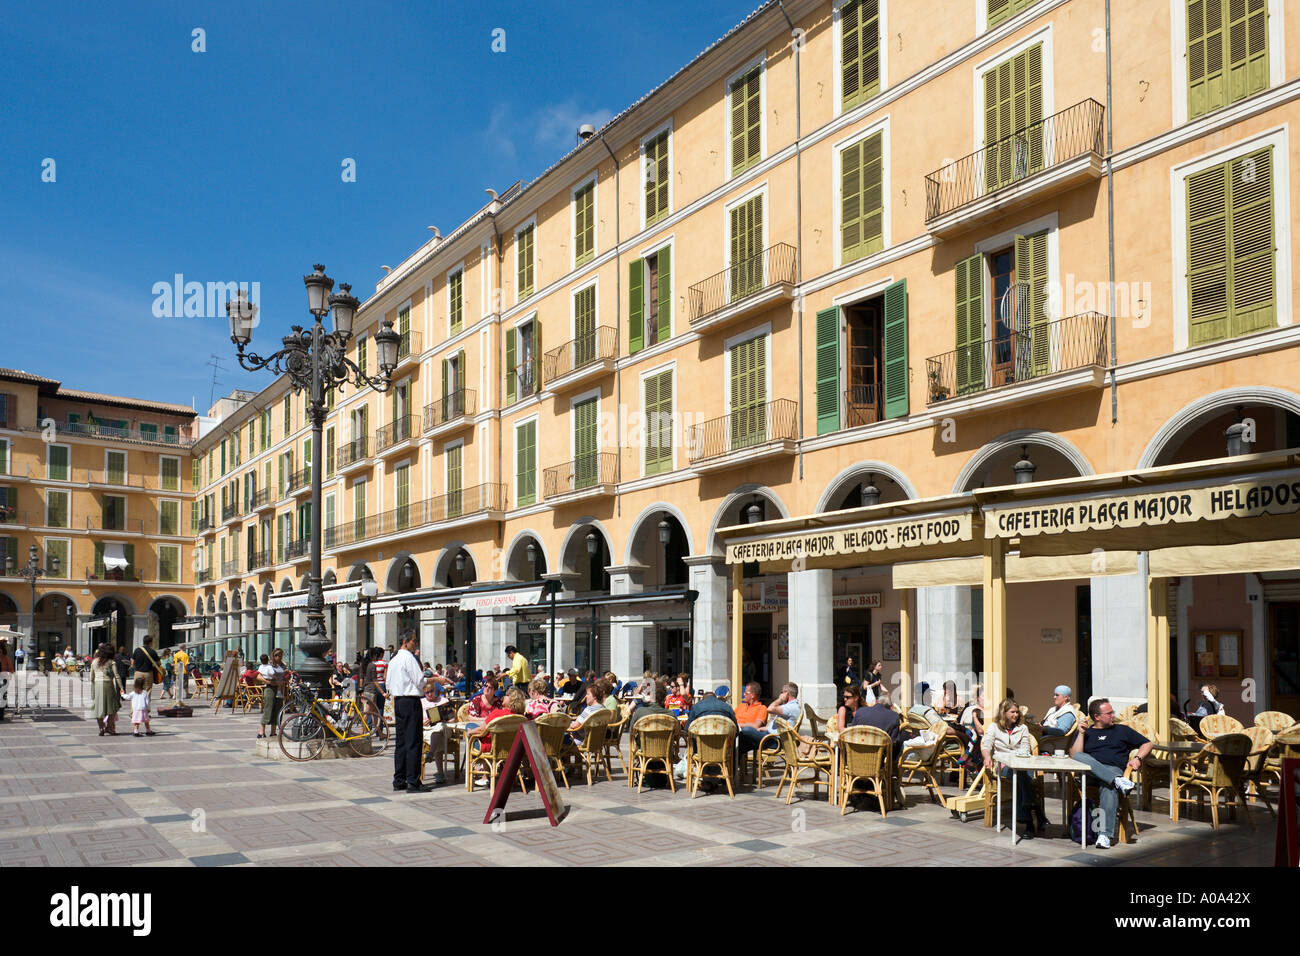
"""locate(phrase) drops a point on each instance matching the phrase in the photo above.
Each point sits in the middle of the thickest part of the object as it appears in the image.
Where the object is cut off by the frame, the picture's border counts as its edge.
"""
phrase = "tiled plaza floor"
(197, 794)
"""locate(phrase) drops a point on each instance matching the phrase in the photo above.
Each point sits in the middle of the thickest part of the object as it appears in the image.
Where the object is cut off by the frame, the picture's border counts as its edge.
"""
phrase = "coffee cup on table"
(1059, 753)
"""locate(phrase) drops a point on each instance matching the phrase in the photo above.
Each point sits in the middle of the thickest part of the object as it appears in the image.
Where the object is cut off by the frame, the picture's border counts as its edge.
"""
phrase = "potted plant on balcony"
(938, 391)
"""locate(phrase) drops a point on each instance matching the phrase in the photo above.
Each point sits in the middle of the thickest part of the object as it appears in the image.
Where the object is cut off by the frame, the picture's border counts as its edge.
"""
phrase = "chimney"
(585, 132)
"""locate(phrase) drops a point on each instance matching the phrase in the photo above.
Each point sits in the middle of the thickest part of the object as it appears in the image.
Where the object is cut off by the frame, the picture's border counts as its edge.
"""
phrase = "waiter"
(405, 680)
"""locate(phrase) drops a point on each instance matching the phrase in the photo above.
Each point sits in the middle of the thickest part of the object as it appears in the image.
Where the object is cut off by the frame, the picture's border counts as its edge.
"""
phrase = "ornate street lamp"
(870, 493)
(1024, 468)
(31, 571)
(316, 362)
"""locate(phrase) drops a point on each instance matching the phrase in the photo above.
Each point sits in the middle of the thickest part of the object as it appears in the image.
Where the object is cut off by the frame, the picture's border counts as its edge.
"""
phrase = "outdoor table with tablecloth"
(1046, 764)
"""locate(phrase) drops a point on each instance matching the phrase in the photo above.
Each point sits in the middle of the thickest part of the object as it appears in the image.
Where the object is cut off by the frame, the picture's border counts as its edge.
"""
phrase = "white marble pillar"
(627, 631)
(710, 656)
(384, 630)
(943, 637)
(346, 631)
(25, 624)
(1119, 636)
(433, 636)
(812, 638)
(84, 640)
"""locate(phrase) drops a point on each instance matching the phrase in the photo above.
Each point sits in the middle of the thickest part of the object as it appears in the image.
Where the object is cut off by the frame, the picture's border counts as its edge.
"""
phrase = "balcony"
(262, 500)
(1063, 356)
(744, 436)
(206, 524)
(259, 559)
(230, 514)
(742, 289)
(12, 517)
(408, 349)
(588, 356)
(298, 483)
(127, 574)
(395, 437)
(862, 405)
(448, 414)
(352, 456)
(115, 524)
(96, 430)
(230, 569)
(1042, 160)
(202, 576)
(587, 476)
(299, 550)
(484, 502)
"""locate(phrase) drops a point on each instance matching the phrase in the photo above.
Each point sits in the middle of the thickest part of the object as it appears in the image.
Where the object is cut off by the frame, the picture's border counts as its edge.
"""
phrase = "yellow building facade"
(854, 252)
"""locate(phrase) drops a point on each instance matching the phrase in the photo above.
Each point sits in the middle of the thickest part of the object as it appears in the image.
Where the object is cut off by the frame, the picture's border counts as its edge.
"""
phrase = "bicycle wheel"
(366, 741)
(302, 736)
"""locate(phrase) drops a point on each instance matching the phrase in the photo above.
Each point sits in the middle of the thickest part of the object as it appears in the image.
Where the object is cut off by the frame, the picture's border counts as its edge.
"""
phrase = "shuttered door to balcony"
(584, 326)
(748, 392)
(970, 324)
(656, 178)
(1227, 52)
(584, 224)
(1247, 48)
(746, 121)
(635, 306)
(859, 52)
(1013, 104)
(1035, 324)
(1230, 257)
(659, 423)
(524, 264)
(862, 204)
(746, 248)
(585, 465)
(359, 510)
(402, 485)
(171, 474)
(828, 370)
(526, 463)
(456, 301)
(116, 468)
(512, 389)
(455, 502)
(895, 349)
(663, 321)
(58, 462)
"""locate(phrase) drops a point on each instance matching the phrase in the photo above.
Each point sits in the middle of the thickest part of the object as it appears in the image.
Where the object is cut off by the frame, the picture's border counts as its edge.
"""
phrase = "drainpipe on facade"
(501, 350)
(1110, 228)
(796, 41)
(618, 298)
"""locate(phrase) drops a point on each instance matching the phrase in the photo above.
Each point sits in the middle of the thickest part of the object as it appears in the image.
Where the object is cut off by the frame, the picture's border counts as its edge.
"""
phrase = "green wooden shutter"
(524, 264)
(455, 499)
(746, 121)
(584, 326)
(586, 465)
(659, 423)
(169, 517)
(656, 178)
(99, 559)
(584, 224)
(128, 551)
(1031, 270)
(895, 350)
(862, 200)
(168, 564)
(665, 318)
(511, 377)
(636, 306)
(526, 463)
(999, 11)
(58, 467)
(828, 370)
(116, 468)
(749, 392)
(402, 486)
(1247, 47)
(1013, 104)
(970, 324)
(1207, 255)
(859, 52)
(746, 248)
(456, 293)
(1206, 88)
(537, 354)
(1251, 284)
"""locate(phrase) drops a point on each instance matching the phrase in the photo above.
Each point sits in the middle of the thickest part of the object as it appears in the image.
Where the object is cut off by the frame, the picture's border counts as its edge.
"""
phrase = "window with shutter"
(657, 180)
(1033, 329)
(659, 422)
(746, 120)
(895, 349)
(970, 324)
(57, 548)
(526, 463)
(524, 263)
(586, 471)
(171, 474)
(402, 496)
(1230, 256)
(862, 201)
(828, 370)
(116, 468)
(362, 357)
(1000, 11)
(456, 300)
(749, 392)
(9, 550)
(746, 271)
(57, 469)
(56, 509)
(584, 326)
(329, 451)
(359, 509)
(1227, 52)
(169, 563)
(859, 52)
(1013, 118)
(455, 503)
(636, 306)
(584, 224)
(512, 387)
(169, 517)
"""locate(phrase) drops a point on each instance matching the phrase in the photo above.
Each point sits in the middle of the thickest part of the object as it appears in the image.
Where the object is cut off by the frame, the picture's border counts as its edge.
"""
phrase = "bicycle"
(302, 731)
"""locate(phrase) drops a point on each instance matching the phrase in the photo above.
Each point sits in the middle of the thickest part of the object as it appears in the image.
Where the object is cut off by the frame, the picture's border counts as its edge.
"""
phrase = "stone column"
(627, 631)
(710, 655)
(565, 636)
(25, 623)
(384, 630)
(433, 636)
(943, 637)
(83, 641)
(812, 638)
(1119, 636)
(346, 630)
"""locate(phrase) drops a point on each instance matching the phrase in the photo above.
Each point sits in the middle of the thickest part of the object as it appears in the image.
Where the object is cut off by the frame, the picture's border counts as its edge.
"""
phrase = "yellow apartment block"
(856, 255)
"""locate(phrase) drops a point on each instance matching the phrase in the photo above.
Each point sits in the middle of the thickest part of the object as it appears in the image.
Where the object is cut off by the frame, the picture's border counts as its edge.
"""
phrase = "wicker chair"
(817, 726)
(552, 728)
(1216, 725)
(590, 750)
(651, 742)
(921, 758)
(614, 737)
(768, 757)
(1181, 730)
(501, 733)
(711, 743)
(1126, 714)
(1219, 767)
(1257, 769)
(462, 713)
(1275, 722)
(865, 758)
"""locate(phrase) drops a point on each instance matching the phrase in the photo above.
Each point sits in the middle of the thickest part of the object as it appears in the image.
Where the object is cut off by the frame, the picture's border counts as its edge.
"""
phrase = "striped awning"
(337, 594)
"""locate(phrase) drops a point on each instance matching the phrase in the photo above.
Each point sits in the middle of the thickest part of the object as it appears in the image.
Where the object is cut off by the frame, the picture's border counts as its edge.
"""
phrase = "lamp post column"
(313, 668)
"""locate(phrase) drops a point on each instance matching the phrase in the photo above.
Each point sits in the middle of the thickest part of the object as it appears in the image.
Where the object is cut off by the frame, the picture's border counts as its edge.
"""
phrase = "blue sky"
(225, 165)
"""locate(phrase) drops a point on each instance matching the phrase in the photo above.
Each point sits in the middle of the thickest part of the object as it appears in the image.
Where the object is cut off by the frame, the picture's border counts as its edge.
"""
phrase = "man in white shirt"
(406, 680)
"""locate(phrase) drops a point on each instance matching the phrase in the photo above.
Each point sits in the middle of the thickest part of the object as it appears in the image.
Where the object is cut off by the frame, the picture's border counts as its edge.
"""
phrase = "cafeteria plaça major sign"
(1238, 499)
(886, 536)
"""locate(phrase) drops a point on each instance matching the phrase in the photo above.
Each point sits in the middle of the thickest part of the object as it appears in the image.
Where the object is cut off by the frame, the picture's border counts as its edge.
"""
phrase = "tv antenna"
(215, 361)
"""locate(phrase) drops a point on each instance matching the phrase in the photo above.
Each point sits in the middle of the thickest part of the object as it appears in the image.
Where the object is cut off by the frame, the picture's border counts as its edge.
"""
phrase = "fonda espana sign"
(863, 539)
(1249, 498)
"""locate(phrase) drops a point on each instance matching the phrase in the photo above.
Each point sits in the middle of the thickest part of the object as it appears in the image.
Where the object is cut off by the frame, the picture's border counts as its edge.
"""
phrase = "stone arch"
(1010, 443)
(516, 566)
(730, 509)
(357, 571)
(652, 514)
(328, 579)
(395, 580)
(286, 586)
(665, 563)
(250, 598)
(444, 569)
(569, 546)
(1190, 415)
(76, 608)
(855, 474)
(223, 606)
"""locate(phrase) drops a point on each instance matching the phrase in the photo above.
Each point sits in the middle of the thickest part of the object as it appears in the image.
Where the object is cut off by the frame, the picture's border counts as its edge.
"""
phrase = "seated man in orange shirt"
(751, 717)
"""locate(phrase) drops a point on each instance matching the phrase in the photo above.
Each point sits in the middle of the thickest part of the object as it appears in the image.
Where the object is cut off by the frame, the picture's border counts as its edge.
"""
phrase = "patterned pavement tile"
(29, 851)
(216, 799)
(85, 809)
(19, 815)
(181, 778)
(115, 846)
(261, 831)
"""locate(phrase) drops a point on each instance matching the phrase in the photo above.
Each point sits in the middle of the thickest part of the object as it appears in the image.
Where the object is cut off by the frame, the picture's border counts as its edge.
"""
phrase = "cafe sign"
(886, 536)
(1238, 499)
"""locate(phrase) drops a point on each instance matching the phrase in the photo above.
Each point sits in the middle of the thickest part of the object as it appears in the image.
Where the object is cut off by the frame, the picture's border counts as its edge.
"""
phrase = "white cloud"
(553, 126)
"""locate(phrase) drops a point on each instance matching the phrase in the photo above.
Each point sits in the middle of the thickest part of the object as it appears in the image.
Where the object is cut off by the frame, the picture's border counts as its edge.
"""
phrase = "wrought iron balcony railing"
(743, 428)
(229, 512)
(95, 430)
(259, 559)
(11, 515)
(206, 524)
(454, 405)
(350, 453)
(398, 430)
(260, 499)
(114, 574)
(115, 523)
(1074, 131)
(298, 548)
(408, 345)
(600, 343)
(1080, 341)
(740, 280)
(297, 480)
(862, 405)
(202, 576)
(229, 568)
(457, 504)
(585, 471)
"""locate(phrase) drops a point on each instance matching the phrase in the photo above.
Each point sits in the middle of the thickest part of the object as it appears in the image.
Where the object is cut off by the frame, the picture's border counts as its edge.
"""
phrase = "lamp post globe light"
(31, 571)
(316, 362)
